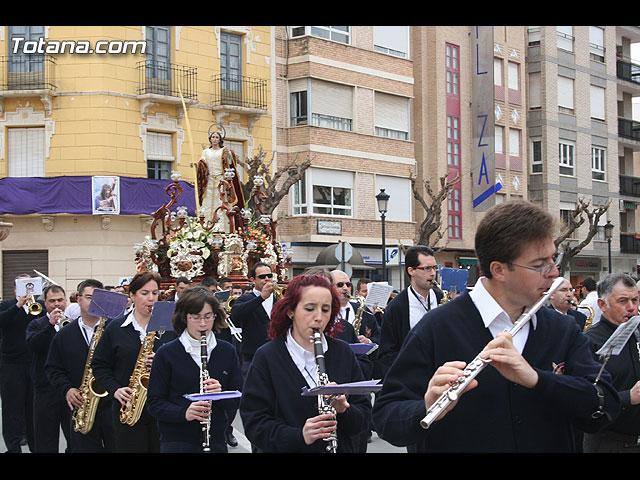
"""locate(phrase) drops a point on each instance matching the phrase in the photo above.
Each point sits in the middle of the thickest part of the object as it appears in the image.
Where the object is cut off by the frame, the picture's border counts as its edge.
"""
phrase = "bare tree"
(431, 230)
(276, 183)
(577, 218)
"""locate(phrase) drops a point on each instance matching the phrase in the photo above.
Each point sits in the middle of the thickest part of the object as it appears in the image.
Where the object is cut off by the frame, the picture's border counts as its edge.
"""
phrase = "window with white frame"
(536, 156)
(565, 38)
(596, 43)
(497, 72)
(337, 34)
(26, 155)
(499, 139)
(159, 155)
(298, 102)
(331, 193)
(598, 163)
(514, 142)
(453, 141)
(535, 91)
(392, 40)
(513, 76)
(597, 102)
(299, 196)
(391, 116)
(452, 69)
(331, 105)
(567, 158)
(565, 94)
(565, 217)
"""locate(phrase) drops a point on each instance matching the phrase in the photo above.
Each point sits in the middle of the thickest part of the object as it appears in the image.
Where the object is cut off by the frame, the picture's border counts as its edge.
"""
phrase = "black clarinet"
(324, 404)
(204, 375)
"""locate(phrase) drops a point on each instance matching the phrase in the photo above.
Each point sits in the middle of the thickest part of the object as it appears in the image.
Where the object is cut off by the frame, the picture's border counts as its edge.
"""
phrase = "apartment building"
(583, 141)
(344, 100)
(72, 117)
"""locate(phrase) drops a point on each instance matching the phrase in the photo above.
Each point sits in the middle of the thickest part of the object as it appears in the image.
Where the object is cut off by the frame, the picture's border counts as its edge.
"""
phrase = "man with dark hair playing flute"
(539, 383)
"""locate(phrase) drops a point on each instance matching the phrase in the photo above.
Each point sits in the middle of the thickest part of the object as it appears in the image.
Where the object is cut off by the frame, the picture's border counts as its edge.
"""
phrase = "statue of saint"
(219, 189)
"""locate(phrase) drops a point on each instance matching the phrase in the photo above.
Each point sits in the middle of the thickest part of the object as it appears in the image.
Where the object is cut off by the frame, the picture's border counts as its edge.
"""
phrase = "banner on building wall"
(106, 195)
(74, 195)
(482, 116)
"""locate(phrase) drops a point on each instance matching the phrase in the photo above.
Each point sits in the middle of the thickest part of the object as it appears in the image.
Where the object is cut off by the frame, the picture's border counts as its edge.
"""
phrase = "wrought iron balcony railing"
(162, 78)
(27, 72)
(239, 91)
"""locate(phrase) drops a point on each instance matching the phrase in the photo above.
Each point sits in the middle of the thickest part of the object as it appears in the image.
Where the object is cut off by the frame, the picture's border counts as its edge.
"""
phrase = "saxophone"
(324, 404)
(131, 411)
(204, 375)
(589, 321)
(91, 390)
(359, 313)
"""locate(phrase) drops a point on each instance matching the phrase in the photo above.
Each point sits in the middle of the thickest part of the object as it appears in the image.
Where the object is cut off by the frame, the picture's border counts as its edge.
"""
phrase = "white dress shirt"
(494, 316)
(304, 359)
(267, 304)
(420, 305)
(131, 319)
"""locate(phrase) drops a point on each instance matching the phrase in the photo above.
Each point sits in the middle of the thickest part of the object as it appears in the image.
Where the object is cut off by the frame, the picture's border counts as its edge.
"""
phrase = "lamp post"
(608, 234)
(383, 200)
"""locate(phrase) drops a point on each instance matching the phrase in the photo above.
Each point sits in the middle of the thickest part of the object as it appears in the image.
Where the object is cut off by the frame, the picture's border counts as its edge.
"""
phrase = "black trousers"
(16, 392)
(50, 414)
(101, 437)
(143, 437)
(610, 442)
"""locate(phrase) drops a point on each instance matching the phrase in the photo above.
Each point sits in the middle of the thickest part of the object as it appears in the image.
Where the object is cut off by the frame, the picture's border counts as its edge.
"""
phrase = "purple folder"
(105, 303)
(194, 397)
(355, 388)
(363, 348)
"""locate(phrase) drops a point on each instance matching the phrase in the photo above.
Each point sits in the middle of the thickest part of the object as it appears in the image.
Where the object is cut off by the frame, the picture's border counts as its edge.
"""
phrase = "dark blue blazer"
(497, 415)
(247, 313)
(174, 374)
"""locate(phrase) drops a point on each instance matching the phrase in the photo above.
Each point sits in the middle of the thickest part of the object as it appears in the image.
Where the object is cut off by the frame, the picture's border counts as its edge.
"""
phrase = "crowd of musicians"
(544, 388)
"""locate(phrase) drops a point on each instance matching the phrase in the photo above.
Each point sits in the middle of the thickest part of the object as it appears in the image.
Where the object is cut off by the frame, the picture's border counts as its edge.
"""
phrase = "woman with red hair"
(276, 417)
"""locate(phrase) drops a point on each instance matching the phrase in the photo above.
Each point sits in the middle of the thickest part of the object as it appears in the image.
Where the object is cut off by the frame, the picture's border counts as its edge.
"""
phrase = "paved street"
(377, 445)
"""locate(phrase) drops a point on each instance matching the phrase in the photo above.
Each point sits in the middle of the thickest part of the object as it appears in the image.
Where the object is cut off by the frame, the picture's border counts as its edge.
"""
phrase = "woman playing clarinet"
(276, 417)
(178, 369)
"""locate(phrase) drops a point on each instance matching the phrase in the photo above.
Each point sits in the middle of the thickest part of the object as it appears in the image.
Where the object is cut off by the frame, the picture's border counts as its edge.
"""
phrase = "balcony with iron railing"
(28, 76)
(629, 129)
(239, 91)
(628, 71)
(630, 243)
(629, 185)
(169, 83)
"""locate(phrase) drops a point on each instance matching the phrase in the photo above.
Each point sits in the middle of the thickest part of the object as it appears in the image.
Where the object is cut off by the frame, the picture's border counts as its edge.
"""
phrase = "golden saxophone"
(452, 393)
(589, 321)
(91, 391)
(131, 411)
(359, 313)
(324, 404)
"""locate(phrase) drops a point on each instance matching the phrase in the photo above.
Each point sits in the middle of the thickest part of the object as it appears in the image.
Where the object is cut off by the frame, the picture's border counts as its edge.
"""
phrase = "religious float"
(227, 234)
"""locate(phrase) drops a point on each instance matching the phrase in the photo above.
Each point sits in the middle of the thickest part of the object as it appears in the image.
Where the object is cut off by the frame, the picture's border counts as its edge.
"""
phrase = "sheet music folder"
(618, 339)
(107, 304)
(161, 317)
(354, 388)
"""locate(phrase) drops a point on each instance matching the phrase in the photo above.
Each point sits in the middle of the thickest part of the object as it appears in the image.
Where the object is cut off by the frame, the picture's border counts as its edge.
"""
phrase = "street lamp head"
(383, 200)
(608, 230)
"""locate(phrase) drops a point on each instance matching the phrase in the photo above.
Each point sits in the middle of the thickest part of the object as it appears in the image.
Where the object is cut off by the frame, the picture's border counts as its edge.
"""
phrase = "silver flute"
(452, 393)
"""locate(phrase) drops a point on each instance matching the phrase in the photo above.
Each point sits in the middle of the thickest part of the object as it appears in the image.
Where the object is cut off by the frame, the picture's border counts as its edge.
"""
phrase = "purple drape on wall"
(48, 195)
